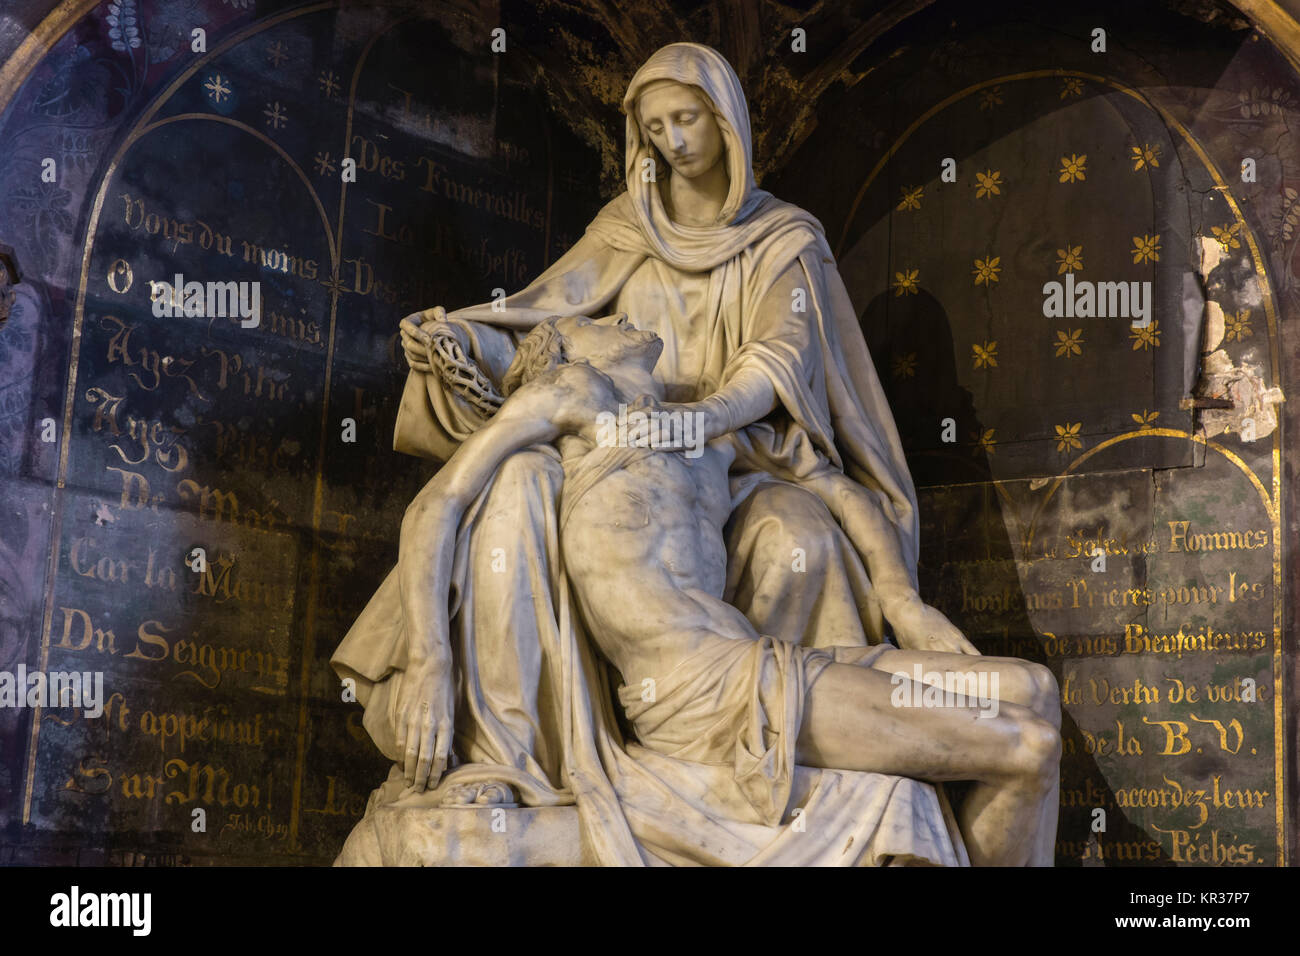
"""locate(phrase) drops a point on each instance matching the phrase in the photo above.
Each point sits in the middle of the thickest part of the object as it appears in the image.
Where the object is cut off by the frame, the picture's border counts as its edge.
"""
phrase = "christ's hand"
(424, 725)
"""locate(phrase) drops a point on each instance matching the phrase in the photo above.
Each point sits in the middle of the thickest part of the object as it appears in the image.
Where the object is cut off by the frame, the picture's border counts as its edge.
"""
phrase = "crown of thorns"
(461, 373)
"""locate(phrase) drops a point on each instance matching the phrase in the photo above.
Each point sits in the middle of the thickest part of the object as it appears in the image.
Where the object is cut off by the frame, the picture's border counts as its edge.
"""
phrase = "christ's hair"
(541, 350)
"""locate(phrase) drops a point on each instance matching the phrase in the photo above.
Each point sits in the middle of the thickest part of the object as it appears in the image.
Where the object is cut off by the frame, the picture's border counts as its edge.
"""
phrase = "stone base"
(418, 836)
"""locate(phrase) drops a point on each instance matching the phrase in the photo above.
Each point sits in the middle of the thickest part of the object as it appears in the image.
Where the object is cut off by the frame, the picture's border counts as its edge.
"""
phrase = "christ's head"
(603, 343)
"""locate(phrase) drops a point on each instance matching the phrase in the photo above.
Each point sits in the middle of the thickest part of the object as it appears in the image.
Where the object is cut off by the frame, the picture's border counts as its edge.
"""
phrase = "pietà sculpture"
(687, 641)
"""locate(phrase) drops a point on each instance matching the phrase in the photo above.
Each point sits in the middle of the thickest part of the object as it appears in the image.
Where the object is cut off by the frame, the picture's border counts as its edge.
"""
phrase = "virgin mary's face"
(682, 127)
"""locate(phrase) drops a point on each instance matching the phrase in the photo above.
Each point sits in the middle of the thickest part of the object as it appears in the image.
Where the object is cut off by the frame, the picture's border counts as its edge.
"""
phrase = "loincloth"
(738, 703)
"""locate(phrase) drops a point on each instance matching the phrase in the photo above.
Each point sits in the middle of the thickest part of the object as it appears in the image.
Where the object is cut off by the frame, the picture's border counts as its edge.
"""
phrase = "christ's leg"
(1018, 682)
(851, 723)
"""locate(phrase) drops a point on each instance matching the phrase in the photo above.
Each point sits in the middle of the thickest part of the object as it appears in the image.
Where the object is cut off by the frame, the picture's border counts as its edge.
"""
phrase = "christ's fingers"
(441, 750)
(412, 749)
(425, 758)
(399, 738)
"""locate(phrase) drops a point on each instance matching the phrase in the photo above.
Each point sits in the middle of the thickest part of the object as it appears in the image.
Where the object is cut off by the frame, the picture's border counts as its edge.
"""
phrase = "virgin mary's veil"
(712, 77)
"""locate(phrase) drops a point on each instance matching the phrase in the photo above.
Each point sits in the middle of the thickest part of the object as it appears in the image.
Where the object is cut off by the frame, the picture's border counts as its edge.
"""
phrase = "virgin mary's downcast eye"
(683, 118)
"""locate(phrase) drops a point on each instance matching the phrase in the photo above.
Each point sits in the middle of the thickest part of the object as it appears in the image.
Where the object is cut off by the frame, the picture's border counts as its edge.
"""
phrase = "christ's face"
(682, 127)
(609, 341)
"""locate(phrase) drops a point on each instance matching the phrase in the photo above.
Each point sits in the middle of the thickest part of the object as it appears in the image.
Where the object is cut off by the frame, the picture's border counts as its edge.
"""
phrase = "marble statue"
(677, 651)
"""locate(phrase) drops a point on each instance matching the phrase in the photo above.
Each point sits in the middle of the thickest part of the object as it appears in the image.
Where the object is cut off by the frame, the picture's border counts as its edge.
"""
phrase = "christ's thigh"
(1018, 682)
(851, 722)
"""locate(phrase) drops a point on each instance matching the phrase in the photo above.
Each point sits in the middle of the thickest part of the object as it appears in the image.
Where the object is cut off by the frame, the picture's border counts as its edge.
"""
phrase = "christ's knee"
(1035, 756)
(1035, 687)
(1029, 685)
(1044, 692)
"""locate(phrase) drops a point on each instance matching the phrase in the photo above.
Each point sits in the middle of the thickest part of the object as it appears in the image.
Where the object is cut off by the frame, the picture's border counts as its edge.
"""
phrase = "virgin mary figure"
(759, 337)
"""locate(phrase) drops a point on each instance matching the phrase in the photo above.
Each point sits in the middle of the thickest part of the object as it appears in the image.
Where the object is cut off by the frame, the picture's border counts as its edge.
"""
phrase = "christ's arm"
(429, 527)
(425, 554)
(562, 401)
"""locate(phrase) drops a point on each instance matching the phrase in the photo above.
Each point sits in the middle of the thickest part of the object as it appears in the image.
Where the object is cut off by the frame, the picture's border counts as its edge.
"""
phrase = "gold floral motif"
(1145, 419)
(1237, 325)
(1145, 155)
(991, 98)
(911, 198)
(986, 270)
(1073, 168)
(984, 441)
(1071, 86)
(905, 365)
(1067, 436)
(1147, 338)
(989, 182)
(1146, 249)
(905, 282)
(1069, 344)
(986, 355)
(1069, 259)
(1228, 237)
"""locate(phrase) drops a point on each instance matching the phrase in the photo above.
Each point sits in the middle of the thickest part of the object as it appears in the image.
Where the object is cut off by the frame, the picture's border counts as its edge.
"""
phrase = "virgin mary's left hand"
(920, 627)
